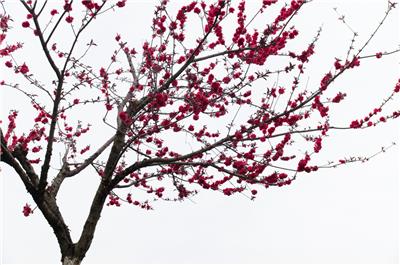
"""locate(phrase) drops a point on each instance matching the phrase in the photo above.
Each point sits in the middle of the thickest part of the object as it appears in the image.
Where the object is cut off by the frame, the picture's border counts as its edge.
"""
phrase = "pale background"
(345, 215)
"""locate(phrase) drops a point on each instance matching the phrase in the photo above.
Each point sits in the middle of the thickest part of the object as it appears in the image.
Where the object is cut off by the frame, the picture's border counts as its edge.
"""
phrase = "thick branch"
(90, 225)
(65, 172)
(49, 149)
(50, 140)
(46, 204)
(51, 212)
(20, 155)
(8, 158)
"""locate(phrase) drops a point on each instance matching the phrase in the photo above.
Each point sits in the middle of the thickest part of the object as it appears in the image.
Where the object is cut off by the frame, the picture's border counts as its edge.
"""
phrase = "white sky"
(345, 215)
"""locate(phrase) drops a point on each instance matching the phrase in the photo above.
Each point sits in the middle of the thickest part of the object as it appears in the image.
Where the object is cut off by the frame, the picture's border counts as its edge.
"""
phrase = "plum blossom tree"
(216, 88)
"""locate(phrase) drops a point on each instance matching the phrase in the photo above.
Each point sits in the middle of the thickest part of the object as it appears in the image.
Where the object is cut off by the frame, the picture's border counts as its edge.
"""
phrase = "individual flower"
(25, 24)
(53, 12)
(27, 210)
(69, 19)
(121, 3)
(23, 69)
(9, 64)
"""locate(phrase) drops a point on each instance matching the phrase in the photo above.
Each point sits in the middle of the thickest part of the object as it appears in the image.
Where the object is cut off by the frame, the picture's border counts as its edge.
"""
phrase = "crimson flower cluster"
(213, 91)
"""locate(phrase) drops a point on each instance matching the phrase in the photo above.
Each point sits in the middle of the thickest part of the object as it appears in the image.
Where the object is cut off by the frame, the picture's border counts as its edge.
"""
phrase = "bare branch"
(89, 160)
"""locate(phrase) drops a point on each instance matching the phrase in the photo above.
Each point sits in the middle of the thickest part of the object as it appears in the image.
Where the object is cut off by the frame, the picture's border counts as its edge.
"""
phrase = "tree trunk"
(71, 261)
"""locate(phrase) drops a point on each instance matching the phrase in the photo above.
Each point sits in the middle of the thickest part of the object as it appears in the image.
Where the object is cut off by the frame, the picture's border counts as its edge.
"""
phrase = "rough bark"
(85, 240)
(71, 261)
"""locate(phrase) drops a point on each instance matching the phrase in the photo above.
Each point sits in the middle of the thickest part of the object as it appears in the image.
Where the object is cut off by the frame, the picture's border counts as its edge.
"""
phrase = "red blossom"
(121, 3)
(305, 55)
(109, 106)
(325, 81)
(2, 38)
(89, 4)
(69, 19)
(339, 97)
(355, 124)
(84, 150)
(204, 91)
(113, 201)
(25, 24)
(303, 163)
(8, 64)
(318, 145)
(27, 210)
(4, 22)
(355, 62)
(397, 87)
(23, 69)
(337, 64)
(53, 12)
(125, 118)
(35, 161)
(36, 149)
(67, 6)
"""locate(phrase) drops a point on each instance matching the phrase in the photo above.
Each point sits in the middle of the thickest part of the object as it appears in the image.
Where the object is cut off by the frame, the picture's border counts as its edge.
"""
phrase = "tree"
(217, 88)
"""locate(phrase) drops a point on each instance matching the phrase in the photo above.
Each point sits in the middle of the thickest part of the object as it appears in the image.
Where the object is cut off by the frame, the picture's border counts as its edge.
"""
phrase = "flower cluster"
(212, 91)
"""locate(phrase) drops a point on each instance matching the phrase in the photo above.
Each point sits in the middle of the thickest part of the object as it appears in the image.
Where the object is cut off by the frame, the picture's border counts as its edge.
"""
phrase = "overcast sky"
(344, 215)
